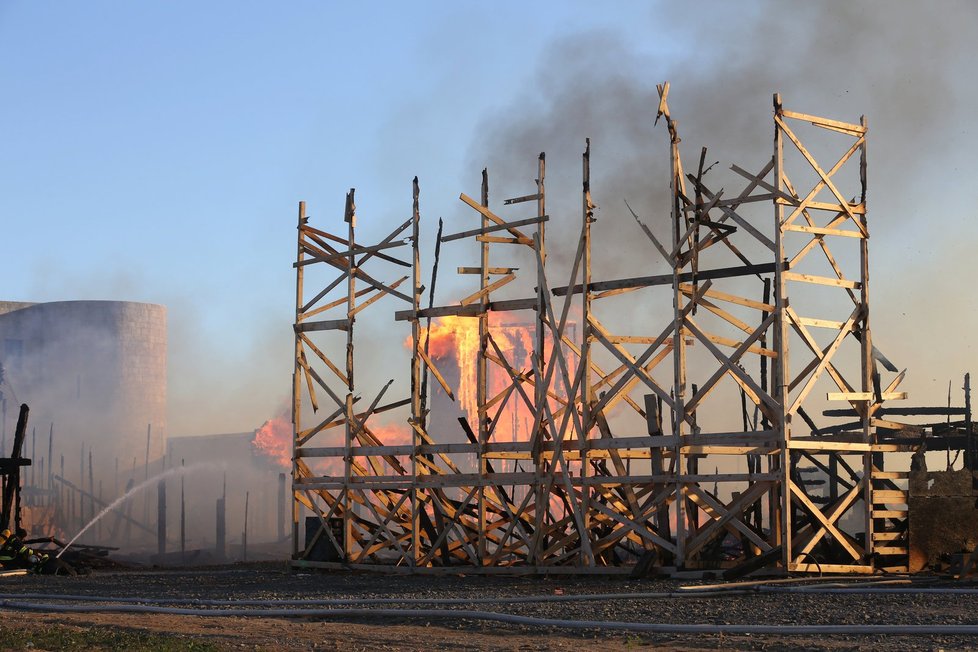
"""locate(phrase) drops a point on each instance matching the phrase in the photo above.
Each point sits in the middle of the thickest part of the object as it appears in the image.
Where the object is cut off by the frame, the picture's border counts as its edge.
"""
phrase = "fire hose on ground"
(273, 609)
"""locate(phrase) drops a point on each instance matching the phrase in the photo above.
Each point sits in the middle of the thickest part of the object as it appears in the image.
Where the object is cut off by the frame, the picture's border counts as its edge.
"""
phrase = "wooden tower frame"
(581, 491)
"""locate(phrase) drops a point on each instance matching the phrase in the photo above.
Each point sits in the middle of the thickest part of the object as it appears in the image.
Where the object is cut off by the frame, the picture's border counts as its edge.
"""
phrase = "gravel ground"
(275, 583)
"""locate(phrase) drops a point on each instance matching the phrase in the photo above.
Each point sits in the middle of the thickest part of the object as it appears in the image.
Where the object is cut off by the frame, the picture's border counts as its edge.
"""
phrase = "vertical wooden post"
(81, 485)
(969, 430)
(350, 217)
(101, 500)
(220, 546)
(482, 372)
(244, 531)
(677, 185)
(866, 344)
(779, 366)
(280, 520)
(161, 518)
(149, 432)
(50, 479)
(417, 412)
(540, 397)
(297, 376)
(91, 486)
(183, 516)
(586, 390)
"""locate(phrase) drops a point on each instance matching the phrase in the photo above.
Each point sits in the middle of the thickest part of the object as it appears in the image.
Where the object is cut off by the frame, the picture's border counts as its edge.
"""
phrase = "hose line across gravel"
(458, 614)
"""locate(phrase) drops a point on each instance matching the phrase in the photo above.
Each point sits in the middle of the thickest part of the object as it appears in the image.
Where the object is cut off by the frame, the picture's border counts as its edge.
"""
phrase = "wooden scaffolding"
(623, 462)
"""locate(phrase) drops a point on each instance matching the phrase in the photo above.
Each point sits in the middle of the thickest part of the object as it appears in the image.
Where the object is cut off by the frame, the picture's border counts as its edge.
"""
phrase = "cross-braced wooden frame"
(579, 489)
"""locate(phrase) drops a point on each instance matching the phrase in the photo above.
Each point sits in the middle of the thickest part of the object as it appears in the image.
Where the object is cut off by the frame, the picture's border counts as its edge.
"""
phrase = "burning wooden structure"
(766, 307)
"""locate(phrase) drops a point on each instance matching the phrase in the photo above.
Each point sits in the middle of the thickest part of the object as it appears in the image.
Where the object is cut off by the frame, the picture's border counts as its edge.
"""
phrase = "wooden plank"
(505, 226)
(816, 445)
(376, 297)
(893, 448)
(773, 449)
(893, 425)
(734, 344)
(507, 305)
(821, 280)
(635, 339)
(500, 240)
(356, 251)
(484, 292)
(888, 536)
(819, 323)
(842, 569)
(667, 279)
(492, 270)
(889, 497)
(821, 230)
(687, 289)
(758, 437)
(824, 122)
(434, 370)
(524, 198)
(857, 209)
(865, 396)
(492, 217)
(326, 325)
(890, 550)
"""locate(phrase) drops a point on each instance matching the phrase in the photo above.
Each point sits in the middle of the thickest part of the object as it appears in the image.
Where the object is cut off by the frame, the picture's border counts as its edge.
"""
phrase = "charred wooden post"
(220, 545)
(296, 375)
(183, 516)
(971, 452)
(244, 531)
(161, 517)
(282, 506)
(10, 474)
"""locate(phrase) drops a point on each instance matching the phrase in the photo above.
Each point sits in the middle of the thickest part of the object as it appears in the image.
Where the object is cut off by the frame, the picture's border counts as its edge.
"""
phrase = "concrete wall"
(96, 370)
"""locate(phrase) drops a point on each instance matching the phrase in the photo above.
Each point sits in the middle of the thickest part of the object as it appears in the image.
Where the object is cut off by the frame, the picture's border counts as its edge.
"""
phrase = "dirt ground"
(273, 585)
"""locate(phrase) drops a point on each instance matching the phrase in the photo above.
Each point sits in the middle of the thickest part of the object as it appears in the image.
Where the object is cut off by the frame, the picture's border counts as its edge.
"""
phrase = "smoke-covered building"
(93, 374)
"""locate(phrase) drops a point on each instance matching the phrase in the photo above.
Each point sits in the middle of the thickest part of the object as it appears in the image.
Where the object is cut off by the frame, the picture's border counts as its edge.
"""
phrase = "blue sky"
(156, 151)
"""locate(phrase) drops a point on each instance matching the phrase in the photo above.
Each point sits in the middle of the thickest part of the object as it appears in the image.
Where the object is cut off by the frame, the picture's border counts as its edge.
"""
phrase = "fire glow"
(456, 340)
(452, 342)
(274, 439)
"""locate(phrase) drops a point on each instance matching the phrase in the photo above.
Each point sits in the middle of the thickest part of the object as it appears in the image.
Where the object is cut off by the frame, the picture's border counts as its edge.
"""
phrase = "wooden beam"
(667, 279)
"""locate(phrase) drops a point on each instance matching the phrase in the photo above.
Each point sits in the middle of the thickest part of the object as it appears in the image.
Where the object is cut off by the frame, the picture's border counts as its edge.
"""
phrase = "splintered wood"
(582, 449)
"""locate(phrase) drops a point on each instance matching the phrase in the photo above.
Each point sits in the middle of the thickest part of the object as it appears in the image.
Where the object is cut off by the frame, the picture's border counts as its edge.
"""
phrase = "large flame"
(457, 339)
(274, 439)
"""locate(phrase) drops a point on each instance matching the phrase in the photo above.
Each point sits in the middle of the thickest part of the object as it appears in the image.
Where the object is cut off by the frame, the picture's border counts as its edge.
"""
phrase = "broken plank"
(667, 279)
(505, 226)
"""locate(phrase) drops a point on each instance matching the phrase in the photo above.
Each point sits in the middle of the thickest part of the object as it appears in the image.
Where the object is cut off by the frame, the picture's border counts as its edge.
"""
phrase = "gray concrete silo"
(96, 370)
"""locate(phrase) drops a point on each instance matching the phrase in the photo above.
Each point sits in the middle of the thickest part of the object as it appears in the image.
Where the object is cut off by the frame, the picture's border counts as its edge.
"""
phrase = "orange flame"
(457, 339)
(274, 439)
